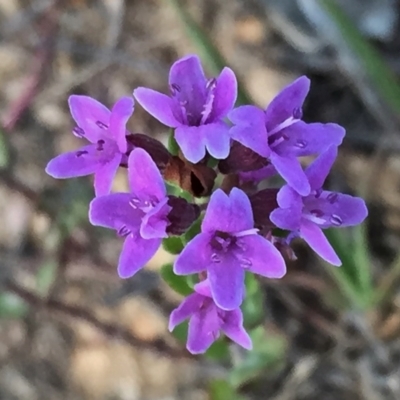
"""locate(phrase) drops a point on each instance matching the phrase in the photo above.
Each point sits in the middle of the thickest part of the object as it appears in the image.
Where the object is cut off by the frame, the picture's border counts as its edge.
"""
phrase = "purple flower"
(105, 130)
(207, 320)
(307, 215)
(140, 216)
(196, 108)
(227, 246)
(279, 134)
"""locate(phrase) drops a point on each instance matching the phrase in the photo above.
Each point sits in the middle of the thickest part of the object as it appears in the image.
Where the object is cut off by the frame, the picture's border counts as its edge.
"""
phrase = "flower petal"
(230, 214)
(226, 281)
(289, 99)
(81, 162)
(157, 104)
(262, 257)
(307, 139)
(216, 139)
(86, 112)
(249, 129)
(136, 252)
(195, 257)
(339, 210)
(155, 222)
(286, 218)
(291, 171)
(192, 142)
(204, 329)
(287, 197)
(113, 211)
(105, 174)
(187, 76)
(145, 179)
(225, 94)
(188, 307)
(233, 328)
(320, 167)
(120, 114)
(315, 238)
(203, 288)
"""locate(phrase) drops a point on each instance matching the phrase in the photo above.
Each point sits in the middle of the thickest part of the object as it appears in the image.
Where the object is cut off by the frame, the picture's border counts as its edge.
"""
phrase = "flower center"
(224, 244)
(276, 136)
(196, 109)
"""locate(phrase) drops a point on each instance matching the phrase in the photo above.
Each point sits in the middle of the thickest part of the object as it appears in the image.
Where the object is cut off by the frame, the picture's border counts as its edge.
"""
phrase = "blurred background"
(69, 328)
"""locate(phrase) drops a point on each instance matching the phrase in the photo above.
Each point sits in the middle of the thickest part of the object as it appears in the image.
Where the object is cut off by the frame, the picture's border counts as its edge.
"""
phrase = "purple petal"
(188, 307)
(192, 142)
(225, 94)
(258, 175)
(144, 177)
(120, 114)
(337, 209)
(203, 329)
(315, 238)
(217, 139)
(105, 174)
(291, 171)
(226, 281)
(203, 288)
(155, 222)
(319, 169)
(86, 112)
(291, 98)
(81, 162)
(195, 257)
(187, 76)
(113, 211)
(230, 214)
(307, 139)
(249, 129)
(262, 257)
(135, 253)
(159, 105)
(287, 197)
(233, 328)
(286, 218)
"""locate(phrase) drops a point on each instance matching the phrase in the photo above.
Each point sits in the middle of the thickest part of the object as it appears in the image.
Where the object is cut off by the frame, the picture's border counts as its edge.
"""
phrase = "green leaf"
(268, 353)
(173, 244)
(172, 146)
(221, 389)
(219, 350)
(192, 231)
(46, 276)
(354, 277)
(4, 151)
(253, 304)
(12, 306)
(175, 282)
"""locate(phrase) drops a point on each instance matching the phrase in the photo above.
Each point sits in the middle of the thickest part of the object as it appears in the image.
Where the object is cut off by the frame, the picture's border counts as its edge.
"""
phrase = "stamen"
(247, 232)
(332, 197)
(123, 231)
(301, 144)
(101, 125)
(215, 258)
(78, 132)
(100, 145)
(335, 220)
(174, 88)
(80, 153)
(134, 203)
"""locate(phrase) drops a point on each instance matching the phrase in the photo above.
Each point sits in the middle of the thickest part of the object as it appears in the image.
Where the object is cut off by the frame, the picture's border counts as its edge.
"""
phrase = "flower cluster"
(245, 227)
